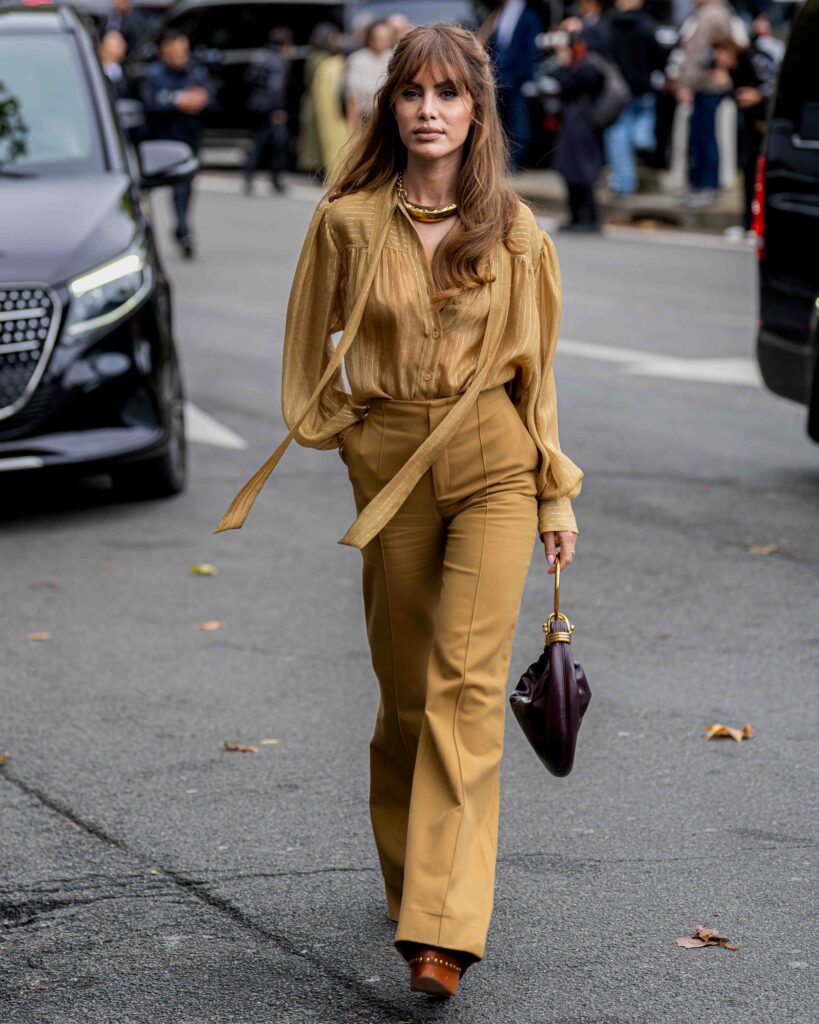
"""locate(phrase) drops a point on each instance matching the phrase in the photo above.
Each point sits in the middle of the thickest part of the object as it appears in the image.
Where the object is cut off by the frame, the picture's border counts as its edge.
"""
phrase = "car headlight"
(109, 292)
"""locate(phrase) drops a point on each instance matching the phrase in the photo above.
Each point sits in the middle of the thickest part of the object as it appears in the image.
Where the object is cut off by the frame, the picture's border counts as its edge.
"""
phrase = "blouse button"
(427, 375)
(436, 334)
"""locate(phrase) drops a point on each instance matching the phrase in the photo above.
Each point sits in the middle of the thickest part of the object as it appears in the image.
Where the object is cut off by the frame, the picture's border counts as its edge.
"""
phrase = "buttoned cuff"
(556, 515)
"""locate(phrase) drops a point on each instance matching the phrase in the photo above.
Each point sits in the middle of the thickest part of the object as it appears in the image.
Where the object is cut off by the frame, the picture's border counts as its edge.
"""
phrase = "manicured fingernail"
(550, 559)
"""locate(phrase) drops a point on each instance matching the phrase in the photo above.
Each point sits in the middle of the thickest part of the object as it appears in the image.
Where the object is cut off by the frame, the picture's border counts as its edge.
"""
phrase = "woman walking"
(449, 298)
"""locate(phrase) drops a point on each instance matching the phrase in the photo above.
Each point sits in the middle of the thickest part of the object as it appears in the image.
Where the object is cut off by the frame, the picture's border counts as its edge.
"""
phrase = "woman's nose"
(428, 106)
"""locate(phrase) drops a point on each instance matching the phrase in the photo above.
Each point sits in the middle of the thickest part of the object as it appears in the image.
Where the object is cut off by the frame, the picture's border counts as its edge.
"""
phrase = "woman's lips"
(427, 134)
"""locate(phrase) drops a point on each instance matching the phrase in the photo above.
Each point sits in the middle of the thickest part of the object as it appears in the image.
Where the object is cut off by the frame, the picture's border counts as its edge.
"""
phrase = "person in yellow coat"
(449, 297)
(323, 125)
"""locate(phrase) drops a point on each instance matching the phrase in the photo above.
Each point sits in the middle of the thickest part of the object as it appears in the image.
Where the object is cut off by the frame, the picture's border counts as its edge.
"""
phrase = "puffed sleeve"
(559, 479)
(314, 313)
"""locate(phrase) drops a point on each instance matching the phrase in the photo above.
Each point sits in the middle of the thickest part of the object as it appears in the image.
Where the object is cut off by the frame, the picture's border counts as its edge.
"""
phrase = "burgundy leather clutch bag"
(552, 696)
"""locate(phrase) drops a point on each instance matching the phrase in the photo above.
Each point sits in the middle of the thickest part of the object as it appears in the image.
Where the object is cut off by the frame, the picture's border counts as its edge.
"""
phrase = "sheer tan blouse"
(407, 349)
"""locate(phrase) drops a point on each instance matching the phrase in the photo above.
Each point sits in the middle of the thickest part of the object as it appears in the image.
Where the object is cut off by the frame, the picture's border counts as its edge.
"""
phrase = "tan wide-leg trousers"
(442, 589)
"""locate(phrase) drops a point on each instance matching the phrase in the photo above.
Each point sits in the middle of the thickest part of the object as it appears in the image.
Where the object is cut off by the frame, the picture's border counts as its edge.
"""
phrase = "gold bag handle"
(561, 636)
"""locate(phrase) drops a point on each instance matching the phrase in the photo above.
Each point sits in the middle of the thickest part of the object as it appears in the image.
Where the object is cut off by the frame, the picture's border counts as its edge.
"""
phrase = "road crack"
(199, 890)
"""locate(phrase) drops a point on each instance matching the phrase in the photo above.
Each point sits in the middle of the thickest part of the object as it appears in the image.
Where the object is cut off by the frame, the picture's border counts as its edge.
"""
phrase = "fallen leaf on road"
(38, 636)
(153, 871)
(46, 585)
(108, 566)
(718, 731)
(705, 937)
(763, 549)
(4, 758)
(266, 742)
(210, 626)
(203, 570)
(240, 748)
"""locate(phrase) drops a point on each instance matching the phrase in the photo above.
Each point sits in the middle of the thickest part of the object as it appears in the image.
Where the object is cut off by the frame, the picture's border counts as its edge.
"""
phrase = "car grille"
(29, 316)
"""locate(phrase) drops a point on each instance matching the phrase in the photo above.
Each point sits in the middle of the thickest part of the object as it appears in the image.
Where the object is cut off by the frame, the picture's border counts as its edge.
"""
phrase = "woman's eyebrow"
(436, 85)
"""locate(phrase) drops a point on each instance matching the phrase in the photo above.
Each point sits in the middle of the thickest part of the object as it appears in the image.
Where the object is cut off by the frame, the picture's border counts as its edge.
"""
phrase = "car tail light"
(758, 207)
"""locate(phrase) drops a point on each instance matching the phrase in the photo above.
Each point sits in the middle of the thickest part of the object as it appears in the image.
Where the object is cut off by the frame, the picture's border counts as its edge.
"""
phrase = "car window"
(46, 120)
(797, 97)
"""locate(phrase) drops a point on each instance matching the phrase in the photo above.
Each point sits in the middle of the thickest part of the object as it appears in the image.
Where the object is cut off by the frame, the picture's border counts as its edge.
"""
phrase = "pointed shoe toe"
(435, 972)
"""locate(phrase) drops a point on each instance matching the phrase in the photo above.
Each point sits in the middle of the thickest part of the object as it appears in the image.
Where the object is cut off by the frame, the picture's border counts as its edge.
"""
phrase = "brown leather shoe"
(434, 971)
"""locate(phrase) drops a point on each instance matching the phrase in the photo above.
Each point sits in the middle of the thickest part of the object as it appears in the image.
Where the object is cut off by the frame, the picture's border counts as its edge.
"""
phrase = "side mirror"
(130, 113)
(164, 162)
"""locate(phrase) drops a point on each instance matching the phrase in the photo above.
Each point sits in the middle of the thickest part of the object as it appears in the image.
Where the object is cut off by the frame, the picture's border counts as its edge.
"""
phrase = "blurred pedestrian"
(326, 91)
(309, 146)
(175, 92)
(111, 51)
(698, 90)
(366, 69)
(400, 25)
(750, 75)
(635, 50)
(764, 41)
(579, 153)
(129, 21)
(596, 19)
(268, 75)
(511, 33)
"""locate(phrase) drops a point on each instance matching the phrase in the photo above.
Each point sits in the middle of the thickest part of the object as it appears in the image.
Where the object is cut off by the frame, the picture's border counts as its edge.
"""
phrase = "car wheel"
(165, 475)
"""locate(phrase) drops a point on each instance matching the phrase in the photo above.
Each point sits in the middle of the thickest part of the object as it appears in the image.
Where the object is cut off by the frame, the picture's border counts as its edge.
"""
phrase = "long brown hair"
(375, 154)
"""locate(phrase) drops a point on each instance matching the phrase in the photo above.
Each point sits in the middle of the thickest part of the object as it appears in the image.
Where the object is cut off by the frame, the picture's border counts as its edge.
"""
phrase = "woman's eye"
(409, 94)
(448, 94)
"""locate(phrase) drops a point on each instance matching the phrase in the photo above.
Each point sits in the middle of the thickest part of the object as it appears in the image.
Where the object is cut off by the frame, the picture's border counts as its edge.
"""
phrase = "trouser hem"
(419, 927)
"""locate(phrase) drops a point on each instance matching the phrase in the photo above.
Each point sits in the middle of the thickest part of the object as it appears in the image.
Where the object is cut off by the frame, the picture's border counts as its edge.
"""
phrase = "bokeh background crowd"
(616, 100)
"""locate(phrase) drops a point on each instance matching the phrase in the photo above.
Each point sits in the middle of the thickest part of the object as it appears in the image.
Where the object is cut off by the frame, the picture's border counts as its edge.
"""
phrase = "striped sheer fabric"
(407, 349)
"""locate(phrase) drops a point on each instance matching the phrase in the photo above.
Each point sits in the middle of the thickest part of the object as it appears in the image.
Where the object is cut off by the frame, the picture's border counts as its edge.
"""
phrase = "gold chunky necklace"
(428, 214)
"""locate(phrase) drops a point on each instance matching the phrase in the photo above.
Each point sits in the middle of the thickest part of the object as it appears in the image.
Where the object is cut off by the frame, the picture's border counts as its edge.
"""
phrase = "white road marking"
(734, 371)
(204, 429)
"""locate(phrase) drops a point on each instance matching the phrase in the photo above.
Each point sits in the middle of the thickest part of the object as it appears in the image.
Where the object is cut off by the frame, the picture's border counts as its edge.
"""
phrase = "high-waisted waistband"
(398, 407)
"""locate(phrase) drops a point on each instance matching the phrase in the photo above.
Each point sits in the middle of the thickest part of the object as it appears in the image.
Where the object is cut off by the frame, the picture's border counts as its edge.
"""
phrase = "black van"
(786, 221)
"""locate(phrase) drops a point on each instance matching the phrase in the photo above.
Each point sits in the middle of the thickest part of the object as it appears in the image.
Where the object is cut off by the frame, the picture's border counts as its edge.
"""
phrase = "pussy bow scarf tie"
(386, 503)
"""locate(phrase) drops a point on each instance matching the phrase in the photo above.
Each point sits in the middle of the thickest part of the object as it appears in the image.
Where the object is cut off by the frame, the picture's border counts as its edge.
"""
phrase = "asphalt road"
(149, 875)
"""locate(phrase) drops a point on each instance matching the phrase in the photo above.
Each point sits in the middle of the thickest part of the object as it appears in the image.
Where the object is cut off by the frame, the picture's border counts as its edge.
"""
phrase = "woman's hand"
(563, 539)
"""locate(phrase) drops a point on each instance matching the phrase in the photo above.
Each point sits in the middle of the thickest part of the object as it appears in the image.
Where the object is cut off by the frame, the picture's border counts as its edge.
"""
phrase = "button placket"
(433, 331)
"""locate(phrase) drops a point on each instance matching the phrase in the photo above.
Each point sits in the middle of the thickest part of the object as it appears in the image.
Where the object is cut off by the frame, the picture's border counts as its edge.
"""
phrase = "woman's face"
(433, 115)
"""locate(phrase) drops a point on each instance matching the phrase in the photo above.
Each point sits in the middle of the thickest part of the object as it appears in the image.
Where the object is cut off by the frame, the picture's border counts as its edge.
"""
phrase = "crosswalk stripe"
(739, 371)
(200, 428)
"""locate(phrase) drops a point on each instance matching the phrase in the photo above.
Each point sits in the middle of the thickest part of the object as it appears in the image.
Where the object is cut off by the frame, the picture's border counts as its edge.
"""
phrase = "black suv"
(787, 224)
(89, 376)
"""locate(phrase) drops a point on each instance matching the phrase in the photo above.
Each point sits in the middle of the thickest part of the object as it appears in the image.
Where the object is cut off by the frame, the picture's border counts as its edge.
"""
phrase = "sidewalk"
(546, 192)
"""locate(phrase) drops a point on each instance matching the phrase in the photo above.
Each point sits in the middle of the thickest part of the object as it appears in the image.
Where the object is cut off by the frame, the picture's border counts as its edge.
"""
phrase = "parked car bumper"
(99, 402)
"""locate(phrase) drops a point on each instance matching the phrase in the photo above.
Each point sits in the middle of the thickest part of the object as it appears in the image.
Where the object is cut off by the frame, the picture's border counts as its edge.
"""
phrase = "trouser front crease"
(442, 587)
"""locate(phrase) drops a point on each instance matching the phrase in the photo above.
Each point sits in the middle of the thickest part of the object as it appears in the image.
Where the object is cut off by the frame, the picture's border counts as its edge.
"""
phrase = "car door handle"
(799, 143)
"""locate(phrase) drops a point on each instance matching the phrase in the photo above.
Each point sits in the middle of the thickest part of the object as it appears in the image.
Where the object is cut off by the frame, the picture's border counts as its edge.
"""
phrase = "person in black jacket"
(129, 21)
(635, 50)
(579, 155)
(596, 25)
(268, 74)
(175, 92)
